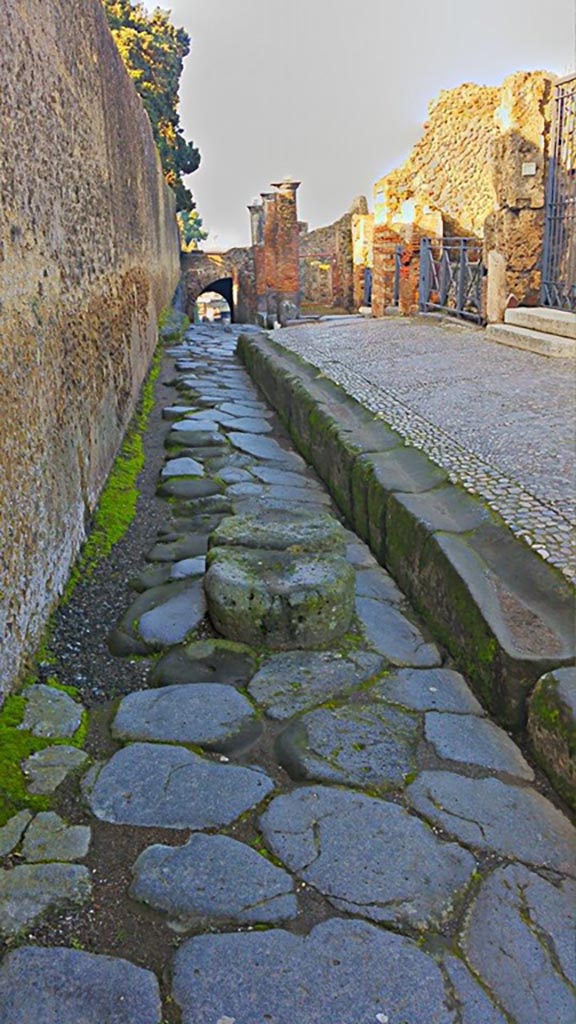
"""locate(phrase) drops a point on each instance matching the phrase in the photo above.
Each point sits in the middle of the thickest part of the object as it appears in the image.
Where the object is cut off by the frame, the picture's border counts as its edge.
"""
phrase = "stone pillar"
(287, 250)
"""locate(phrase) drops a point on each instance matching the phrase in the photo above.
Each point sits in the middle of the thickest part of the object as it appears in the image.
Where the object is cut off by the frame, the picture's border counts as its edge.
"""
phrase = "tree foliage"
(191, 231)
(153, 52)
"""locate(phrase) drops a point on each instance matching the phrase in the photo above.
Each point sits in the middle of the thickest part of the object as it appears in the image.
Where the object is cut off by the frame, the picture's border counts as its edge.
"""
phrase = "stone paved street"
(499, 419)
(303, 815)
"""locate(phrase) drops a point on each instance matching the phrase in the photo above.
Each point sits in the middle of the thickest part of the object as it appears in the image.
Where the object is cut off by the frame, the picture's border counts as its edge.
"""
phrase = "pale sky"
(334, 92)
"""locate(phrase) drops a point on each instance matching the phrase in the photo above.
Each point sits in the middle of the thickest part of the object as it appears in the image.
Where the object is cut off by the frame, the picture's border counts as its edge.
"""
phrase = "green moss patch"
(18, 744)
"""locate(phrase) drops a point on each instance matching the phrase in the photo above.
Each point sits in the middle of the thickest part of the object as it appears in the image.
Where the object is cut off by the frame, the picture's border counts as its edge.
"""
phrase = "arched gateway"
(231, 274)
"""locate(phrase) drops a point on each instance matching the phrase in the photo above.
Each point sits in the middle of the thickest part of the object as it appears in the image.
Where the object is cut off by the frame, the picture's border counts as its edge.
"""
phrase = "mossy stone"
(279, 599)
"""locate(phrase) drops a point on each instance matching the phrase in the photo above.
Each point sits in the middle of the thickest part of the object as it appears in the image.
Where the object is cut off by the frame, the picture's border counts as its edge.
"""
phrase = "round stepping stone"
(213, 878)
(433, 689)
(473, 740)
(303, 531)
(182, 467)
(510, 820)
(50, 712)
(291, 682)
(368, 857)
(29, 890)
(277, 598)
(48, 837)
(394, 636)
(343, 972)
(206, 661)
(68, 986)
(210, 715)
(532, 972)
(48, 768)
(356, 745)
(154, 784)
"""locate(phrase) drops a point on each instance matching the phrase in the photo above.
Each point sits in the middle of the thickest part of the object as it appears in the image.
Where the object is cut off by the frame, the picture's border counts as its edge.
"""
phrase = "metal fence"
(451, 272)
(559, 256)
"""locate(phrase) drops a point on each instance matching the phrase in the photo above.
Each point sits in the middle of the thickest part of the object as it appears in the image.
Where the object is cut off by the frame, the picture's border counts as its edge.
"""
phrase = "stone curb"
(503, 614)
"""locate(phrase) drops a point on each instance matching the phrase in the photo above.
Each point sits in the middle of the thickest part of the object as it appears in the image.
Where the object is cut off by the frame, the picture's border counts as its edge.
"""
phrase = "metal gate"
(559, 257)
(451, 272)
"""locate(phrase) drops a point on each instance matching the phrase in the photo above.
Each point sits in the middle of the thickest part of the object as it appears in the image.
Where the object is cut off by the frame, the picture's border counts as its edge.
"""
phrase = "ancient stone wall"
(88, 258)
(478, 170)
(327, 261)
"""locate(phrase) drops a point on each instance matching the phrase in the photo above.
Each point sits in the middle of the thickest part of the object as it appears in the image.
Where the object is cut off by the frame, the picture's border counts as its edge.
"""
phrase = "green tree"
(191, 231)
(153, 51)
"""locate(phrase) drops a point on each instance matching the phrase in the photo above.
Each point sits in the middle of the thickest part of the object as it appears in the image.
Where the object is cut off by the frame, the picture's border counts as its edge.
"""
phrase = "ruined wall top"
(451, 168)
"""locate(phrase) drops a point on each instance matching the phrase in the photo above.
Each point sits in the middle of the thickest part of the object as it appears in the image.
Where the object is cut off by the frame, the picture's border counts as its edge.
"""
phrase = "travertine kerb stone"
(552, 728)
(504, 615)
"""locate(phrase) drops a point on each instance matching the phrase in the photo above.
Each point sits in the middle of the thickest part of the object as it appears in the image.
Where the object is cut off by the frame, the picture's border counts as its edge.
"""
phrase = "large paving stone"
(552, 728)
(378, 585)
(473, 740)
(302, 531)
(126, 638)
(519, 938)
(48, 768)
(474, 1004)
(181, 467)
(171, 622)
(270, 475)
(11, 833)
(358, 745)
(213, 878)
(394, 636)
(206, 661)
(367, 856)
(29, 890)
(50, 712)
(279, 599)
(168, 786)
(210, 715)
(343, 972)
(433, 689)
(265, 448)
(513, 821)
(49, 838)
(69, 986)
(179, 547)
(245, 409)
(188, 488)
(291, 682)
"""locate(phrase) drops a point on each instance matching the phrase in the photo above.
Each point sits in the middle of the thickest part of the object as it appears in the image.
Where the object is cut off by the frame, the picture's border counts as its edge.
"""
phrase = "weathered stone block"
(552, 728)
(278, 599)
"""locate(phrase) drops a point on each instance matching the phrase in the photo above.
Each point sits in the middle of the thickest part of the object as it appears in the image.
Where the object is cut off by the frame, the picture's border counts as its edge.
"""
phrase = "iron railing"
(559, 256)
(451, 272)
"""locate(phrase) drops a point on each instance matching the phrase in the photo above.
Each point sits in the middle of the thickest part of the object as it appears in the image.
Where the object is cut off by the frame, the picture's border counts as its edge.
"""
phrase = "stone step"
(533, 341)
(542, 318)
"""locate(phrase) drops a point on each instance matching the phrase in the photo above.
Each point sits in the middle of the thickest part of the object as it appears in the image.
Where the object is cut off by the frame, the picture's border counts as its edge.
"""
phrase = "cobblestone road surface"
(329, 835)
